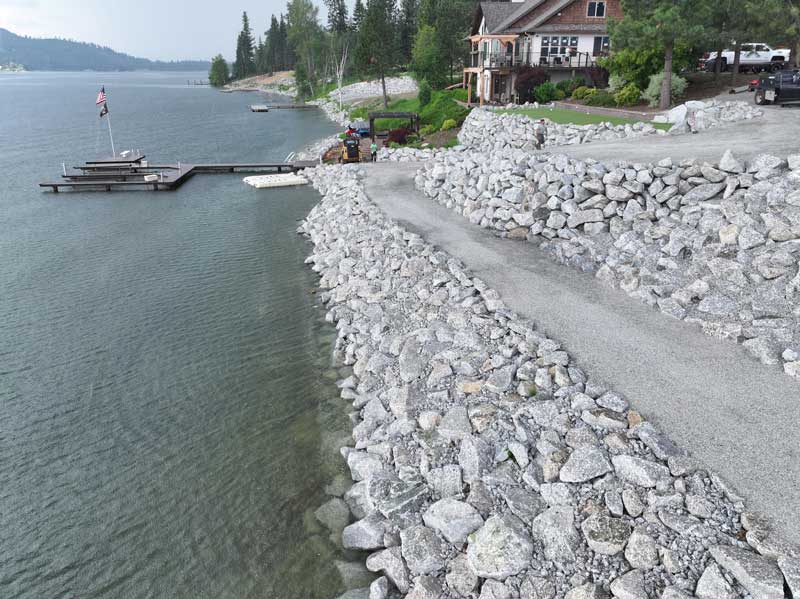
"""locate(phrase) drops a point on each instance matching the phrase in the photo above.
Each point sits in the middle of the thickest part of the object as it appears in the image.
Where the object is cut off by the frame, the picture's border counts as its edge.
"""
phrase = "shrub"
(582, 92)
(628, 95)
(637, 66)
(601, 97)
(545, 93)
(528, 79)
(653, 92)
(449, 124)
(427, 130)
(570, 85)
(398, 136)
(424, 93)
(560, 94)
(616, 82)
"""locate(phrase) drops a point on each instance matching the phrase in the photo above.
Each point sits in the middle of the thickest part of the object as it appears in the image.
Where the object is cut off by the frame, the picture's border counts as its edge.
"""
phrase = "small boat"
(279, 180)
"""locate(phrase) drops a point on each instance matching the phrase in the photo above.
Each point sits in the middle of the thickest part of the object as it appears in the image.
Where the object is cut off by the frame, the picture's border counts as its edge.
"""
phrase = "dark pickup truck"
(780, 88)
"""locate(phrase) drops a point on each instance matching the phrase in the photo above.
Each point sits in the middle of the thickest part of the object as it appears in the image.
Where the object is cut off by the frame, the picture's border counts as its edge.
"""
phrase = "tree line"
(377, 39)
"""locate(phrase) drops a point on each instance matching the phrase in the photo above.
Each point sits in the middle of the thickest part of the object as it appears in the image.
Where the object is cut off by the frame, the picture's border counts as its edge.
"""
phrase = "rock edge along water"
(486, 462)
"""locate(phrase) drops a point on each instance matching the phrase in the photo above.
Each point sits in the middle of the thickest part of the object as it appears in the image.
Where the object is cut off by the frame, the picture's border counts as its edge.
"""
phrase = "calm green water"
(165, 392)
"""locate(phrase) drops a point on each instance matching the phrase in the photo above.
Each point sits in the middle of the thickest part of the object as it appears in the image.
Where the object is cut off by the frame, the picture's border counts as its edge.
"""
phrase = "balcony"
(502, 60)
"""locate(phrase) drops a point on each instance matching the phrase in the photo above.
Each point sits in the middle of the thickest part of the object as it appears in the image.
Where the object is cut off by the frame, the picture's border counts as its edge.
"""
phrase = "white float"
(279, 180)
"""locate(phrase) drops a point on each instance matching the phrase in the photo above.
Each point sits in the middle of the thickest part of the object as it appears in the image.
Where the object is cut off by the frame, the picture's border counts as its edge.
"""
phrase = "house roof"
(495, 14)
(544, 16)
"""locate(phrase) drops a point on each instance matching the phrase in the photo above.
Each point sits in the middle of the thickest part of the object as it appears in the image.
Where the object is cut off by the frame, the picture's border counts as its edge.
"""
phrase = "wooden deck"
(268, 107)
(107, 175)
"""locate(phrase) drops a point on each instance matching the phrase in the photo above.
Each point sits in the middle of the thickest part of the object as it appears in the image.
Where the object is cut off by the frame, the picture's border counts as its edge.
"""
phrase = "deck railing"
(574, 60)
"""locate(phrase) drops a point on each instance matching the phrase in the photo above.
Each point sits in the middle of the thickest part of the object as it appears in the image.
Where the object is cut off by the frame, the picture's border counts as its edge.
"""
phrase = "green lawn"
(576, 117)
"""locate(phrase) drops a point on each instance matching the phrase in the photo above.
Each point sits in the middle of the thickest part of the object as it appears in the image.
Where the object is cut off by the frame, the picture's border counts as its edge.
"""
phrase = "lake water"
(168, 419)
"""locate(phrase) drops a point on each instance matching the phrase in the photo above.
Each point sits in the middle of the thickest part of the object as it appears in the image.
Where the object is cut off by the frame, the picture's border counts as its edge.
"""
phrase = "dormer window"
(597, 9)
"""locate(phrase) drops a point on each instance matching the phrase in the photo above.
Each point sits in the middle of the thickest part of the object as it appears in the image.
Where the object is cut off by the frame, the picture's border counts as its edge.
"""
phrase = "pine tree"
(272, 53)
(245, 60)
(377, 50)
(407, 29)
(359, 13)
(218, 75)
(337, 16)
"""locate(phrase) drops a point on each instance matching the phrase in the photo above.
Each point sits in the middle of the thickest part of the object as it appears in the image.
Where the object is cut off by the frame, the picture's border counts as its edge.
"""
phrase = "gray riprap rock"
(712, 585)
(613, 401)
(761, 577)
(500, 380)
(494, 589)
(366, 534)
(717, 305)
(501, 548)
(791, 572)
(455, 424)
(639, 471)
(587, 591)
(605, 419)
(397, 500)
(555, 528)
(632, 502)
(629, 586)
(674, 593)
(363, 465)
(537, 587)
(523, 503)
(413, 361)
(660, 445)
(699, 506)
(556, 494)
(426, 587)
(683, 524)
(460, 578)
(641, 551)
(704, 192)
(354, 574)
(730, 164)
(584, 464)
(333, 514)
(445, 481)
(605, 534)
(585, 216)
(423, 550)
(475, 457)
(390, 562)
(379, 589)
(750, 238)
(454, 519)
(763, 349)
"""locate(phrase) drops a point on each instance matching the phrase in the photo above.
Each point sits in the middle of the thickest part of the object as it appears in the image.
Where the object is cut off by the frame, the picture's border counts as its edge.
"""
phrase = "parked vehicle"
(780, 88)
(753, 57)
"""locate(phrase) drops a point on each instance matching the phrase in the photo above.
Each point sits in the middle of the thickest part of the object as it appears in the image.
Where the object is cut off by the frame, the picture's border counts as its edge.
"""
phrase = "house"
(563, 36)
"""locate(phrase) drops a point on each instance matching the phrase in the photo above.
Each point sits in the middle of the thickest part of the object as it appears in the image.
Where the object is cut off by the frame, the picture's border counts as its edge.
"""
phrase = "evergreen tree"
(359, 13)
(376, 44)
(406, 29)
(337, 16)
(661, 23)
(287, 55)
(427, 60)
(245, 60)
(451, 20)
(272, 51)
(304, 35)
(218, 75)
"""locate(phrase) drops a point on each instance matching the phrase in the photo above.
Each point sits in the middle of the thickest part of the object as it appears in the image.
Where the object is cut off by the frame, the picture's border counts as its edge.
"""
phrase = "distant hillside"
(63, 55)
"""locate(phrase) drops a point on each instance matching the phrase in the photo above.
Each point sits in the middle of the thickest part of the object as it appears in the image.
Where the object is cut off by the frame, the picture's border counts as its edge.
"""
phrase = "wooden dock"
(268, 107)
(137, 174)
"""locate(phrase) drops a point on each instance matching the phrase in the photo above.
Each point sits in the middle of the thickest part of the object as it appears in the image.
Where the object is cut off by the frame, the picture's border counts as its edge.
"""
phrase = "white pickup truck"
(754, 57)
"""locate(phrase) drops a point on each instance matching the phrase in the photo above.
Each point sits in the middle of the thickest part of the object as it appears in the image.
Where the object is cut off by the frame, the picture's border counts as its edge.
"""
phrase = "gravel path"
(776, 132)
(737, 416)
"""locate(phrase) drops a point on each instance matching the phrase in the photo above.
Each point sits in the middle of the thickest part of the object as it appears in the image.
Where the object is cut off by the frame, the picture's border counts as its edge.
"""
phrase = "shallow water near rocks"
(166, 402)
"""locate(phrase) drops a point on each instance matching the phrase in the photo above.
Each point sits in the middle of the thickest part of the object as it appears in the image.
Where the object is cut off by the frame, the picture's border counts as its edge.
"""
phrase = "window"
(600, 47)
(597, 9)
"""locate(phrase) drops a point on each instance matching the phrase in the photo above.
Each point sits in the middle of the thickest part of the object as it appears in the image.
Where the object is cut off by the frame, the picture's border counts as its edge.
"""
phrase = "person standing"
(373, 150)
(540, 131)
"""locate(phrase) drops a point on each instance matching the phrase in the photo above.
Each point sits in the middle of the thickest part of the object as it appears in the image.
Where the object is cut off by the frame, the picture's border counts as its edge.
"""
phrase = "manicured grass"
(575, 117)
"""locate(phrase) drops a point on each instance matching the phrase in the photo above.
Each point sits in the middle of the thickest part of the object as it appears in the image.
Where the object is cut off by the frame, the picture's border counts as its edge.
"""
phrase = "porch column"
(469, 90)
(491, 87)
(480, 88)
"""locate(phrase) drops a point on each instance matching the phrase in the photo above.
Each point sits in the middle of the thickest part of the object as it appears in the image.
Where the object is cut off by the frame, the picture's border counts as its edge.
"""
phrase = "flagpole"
(111, 135)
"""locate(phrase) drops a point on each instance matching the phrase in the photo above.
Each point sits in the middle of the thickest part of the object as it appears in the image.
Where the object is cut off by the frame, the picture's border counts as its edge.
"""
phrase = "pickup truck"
(780, 88)
(753, 57)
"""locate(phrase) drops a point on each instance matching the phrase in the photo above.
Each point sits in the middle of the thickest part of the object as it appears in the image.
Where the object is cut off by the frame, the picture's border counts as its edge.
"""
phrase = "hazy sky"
(157, 29)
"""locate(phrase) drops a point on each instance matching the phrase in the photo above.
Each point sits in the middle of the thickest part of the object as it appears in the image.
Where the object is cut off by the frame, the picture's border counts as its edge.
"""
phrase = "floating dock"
(138, 174)
(268, 107)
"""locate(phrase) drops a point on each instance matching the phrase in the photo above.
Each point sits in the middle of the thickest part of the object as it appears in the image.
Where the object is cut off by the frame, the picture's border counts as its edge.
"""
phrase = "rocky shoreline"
(716, 245)
(486, 462)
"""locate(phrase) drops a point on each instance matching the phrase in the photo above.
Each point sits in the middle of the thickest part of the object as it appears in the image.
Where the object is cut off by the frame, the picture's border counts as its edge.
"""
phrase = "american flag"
(101, 97)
